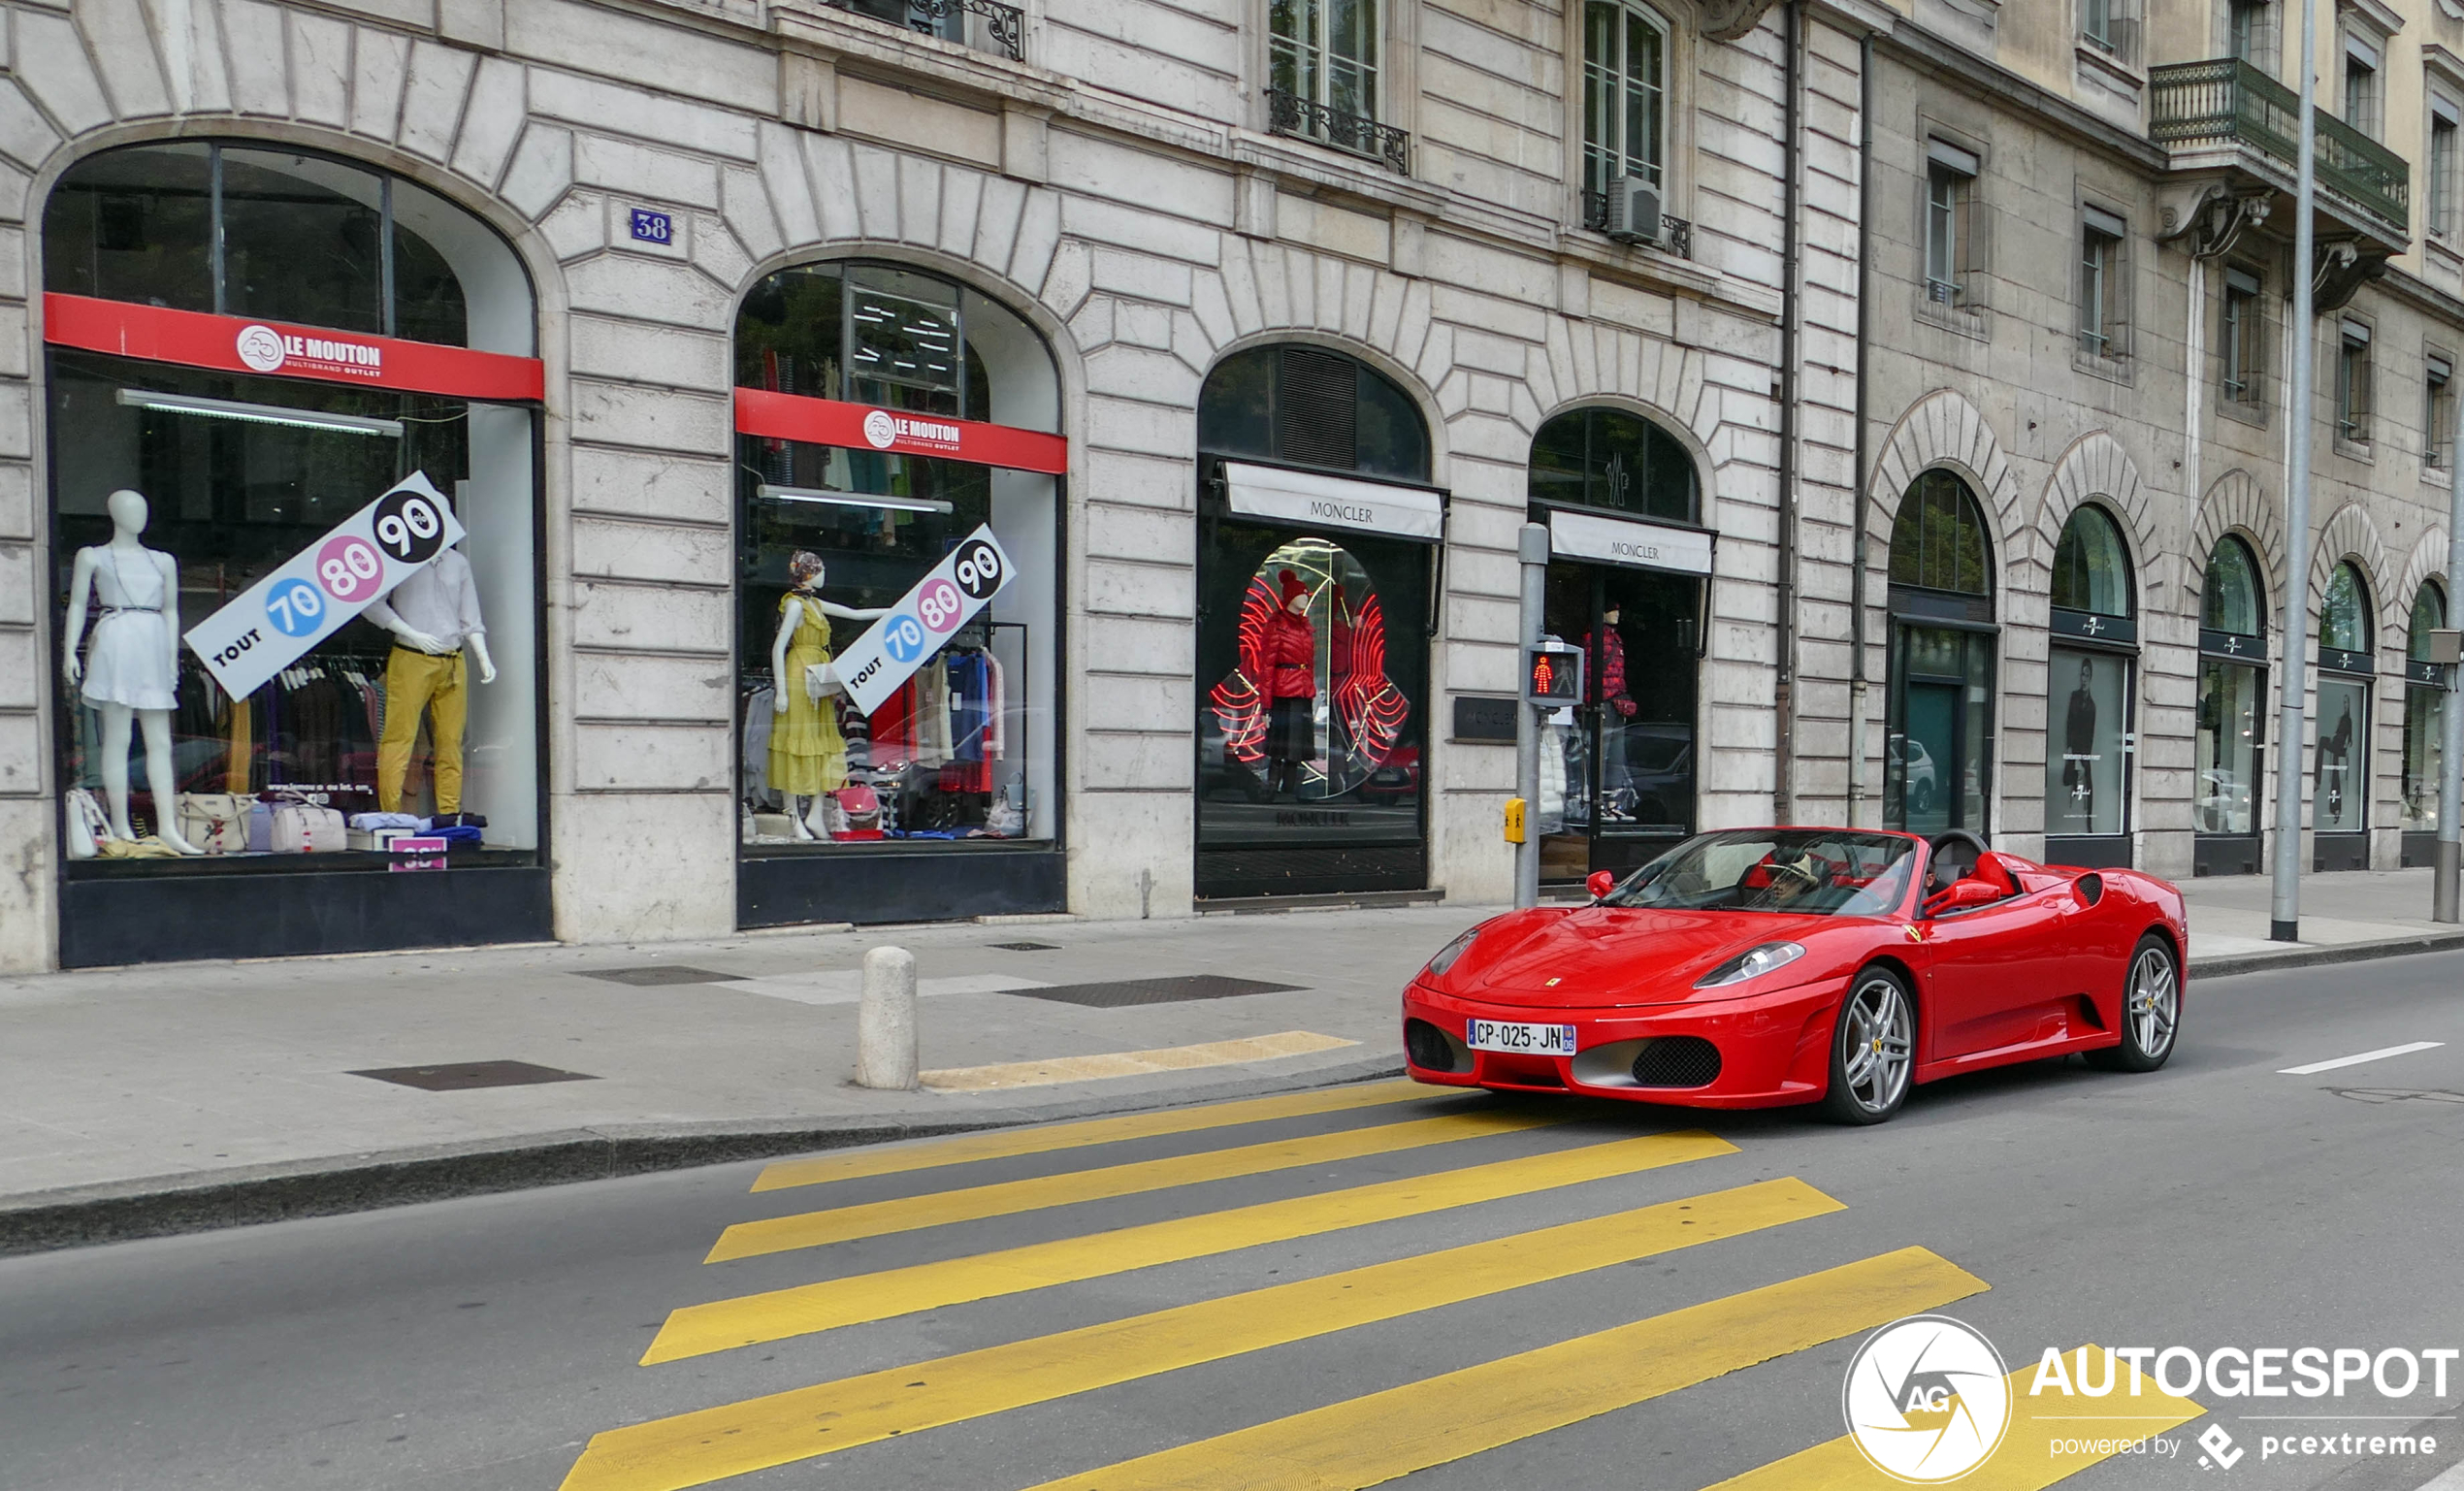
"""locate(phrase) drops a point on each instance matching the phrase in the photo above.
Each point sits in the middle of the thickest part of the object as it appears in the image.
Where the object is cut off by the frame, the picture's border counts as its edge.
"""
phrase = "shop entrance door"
(1617, 779)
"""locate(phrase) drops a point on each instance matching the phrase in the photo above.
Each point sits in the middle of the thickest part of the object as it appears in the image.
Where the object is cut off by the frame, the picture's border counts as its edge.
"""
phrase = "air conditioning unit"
(1634, 210)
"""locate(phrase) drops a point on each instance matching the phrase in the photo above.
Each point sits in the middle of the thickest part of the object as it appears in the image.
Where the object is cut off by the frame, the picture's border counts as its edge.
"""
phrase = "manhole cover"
(1029, 947)
(655, 974)
(463, 1076)
(1128, 992)
(2398, 1095)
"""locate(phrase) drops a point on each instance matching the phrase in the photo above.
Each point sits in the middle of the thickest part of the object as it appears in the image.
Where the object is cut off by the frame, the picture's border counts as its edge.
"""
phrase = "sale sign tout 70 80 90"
(920, 625)
(317, 591)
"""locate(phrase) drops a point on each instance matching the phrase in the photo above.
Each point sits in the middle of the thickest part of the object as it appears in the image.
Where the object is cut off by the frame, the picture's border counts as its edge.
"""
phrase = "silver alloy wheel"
(2155, 1001)
(1877, 1050)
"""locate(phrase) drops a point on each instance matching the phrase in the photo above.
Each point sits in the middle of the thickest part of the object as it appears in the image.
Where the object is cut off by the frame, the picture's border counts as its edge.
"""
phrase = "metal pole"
(1531, 548)
(2451, 850)
(2285, 903)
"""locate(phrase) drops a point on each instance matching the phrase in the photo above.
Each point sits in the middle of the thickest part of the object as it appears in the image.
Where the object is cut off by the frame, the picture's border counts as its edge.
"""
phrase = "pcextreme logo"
(1928, 1400)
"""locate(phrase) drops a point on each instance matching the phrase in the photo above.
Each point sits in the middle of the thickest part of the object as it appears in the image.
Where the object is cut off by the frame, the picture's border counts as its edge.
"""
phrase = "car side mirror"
(1961, 895)
(1600, 883)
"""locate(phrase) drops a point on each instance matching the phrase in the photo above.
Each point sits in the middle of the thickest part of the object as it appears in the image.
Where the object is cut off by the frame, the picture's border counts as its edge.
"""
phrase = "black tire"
(1873, 1049)
(2151, 1010)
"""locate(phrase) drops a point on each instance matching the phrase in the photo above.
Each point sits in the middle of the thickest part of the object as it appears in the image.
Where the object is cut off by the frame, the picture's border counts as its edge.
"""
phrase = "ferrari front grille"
(1678, 1061)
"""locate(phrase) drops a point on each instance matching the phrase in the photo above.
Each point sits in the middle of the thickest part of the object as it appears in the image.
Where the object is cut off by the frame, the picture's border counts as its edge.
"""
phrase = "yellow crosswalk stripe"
(781, 1313)
(1365, 1441)
(1045, 1139)
(1050, 1071)
(736, 1438)
(906, 1213)
(2051, 1438)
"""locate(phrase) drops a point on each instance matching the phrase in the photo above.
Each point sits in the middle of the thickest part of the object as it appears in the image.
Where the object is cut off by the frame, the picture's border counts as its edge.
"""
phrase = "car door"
(1998, 974)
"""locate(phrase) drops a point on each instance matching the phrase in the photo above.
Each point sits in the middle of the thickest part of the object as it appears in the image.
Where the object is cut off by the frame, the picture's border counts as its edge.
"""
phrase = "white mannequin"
(412, 637)
(126, 557)
(799, 810)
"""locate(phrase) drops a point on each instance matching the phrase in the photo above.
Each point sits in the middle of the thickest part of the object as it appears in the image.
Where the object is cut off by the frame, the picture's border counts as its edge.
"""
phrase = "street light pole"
(1531, 550)
(2285, 902)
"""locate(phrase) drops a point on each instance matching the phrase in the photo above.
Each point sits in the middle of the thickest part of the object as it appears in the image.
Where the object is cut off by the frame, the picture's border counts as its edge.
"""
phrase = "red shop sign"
(194, 338)
(867, 427)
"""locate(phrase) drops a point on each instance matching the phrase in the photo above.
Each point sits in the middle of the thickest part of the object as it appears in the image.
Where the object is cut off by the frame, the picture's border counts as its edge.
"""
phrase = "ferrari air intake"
(1678, 1061)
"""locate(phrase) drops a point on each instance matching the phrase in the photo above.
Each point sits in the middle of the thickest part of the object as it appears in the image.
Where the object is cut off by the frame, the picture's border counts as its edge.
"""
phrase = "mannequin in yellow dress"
(808, 758)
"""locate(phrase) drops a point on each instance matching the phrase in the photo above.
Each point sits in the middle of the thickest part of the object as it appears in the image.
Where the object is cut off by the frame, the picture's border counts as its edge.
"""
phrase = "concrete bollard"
(885, 1020)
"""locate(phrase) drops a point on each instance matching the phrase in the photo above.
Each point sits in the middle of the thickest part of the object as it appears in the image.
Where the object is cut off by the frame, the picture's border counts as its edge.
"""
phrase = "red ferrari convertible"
(1757, 967)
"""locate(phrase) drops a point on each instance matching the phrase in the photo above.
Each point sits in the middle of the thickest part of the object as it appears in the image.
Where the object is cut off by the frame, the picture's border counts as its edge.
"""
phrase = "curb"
(124, 1210)
(2313, 957)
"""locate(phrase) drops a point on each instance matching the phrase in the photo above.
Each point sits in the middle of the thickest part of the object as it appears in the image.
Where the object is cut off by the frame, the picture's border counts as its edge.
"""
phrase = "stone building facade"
(1116, 202)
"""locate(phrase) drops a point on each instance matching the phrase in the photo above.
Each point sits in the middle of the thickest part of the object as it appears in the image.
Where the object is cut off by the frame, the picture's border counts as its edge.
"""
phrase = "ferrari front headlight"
(1447, 955)
(1752, 963)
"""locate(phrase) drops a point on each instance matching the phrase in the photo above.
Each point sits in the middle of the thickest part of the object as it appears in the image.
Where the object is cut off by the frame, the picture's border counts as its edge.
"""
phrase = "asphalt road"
(1666, 1312)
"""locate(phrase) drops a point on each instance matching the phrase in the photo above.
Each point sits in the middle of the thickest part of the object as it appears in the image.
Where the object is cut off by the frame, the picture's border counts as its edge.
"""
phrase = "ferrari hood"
(1597, 955)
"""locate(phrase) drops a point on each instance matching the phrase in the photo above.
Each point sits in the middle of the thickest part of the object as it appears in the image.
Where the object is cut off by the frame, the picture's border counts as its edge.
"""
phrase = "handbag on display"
(861, 806)
(216, 823)
(88, 826)
(302, 827)
(260, 826)
(821, 681)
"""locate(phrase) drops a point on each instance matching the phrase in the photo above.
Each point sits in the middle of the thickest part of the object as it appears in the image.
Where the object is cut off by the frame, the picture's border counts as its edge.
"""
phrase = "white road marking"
(2367, 1056)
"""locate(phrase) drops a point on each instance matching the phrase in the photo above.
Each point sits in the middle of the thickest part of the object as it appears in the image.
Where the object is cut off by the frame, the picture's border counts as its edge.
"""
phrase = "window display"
(2084, 787)
(2339, 787)
(2231, 717)
(1938, 749)
(1315, 549)
(2424, 709)
(899, 489)
(230, 451)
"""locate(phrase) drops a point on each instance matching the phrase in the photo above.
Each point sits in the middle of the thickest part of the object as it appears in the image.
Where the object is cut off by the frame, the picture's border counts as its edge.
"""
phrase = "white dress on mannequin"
(128, 658)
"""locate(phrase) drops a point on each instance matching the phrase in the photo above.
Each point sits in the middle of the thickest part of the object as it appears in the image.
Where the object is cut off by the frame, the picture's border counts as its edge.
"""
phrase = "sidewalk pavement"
(169, 1099)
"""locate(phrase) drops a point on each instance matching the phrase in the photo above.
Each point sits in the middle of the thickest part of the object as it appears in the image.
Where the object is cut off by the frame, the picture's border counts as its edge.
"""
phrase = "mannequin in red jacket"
(1291, 686)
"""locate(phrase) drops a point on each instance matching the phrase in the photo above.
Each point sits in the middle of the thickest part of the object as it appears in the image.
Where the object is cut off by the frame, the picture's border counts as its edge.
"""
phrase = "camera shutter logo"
(1928, 1400)
(261, 348)
(881, 431)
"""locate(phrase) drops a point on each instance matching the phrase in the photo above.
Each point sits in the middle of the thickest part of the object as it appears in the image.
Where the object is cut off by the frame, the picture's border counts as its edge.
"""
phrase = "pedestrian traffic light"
(1552, 675)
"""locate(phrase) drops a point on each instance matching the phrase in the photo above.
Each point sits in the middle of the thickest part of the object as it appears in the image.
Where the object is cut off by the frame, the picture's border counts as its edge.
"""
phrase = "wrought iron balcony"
(1289, 113)
(987, 26)
(1676, 235)
(2222, 102)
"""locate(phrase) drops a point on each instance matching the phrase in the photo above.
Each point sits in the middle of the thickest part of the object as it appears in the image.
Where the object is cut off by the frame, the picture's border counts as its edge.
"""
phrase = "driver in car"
(1792, 880)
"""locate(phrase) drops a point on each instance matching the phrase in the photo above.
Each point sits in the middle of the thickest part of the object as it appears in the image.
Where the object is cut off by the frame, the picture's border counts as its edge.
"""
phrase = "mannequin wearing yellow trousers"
(435, 616)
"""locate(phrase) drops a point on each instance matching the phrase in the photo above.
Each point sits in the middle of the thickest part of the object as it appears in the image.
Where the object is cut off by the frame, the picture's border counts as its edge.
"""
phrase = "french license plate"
(1529, 1040)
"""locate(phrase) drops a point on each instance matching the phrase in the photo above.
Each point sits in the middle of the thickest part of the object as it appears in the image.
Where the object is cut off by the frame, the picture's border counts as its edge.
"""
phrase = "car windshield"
(1802, 870)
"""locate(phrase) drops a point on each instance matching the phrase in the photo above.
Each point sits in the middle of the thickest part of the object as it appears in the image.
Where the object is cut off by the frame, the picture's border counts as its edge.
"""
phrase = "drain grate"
(659, 975)
(463, 1076)
(1029, 947)
(1130, 991)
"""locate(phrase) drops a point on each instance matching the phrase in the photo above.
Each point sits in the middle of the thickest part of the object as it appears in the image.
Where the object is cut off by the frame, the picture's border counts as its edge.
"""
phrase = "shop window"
(1607, 458)
(897, 568)
(2089, 674)
(2424, 709)
(2340, 764)
(2231, 696)
(1937, 762)
(358, 715)
(1316, 542)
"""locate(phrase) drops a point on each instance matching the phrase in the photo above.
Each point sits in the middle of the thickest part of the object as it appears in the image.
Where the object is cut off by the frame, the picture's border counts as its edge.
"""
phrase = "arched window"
(1609, 458)
(2340, 769)
(1938, 540)
(2232, 599)
(1625, 93)
(2091, 569)
(2231, 723)
(2090, 698)
(1316, 552)
(865, 476)
(2424, 711)
(256, 356)
(1938, 767)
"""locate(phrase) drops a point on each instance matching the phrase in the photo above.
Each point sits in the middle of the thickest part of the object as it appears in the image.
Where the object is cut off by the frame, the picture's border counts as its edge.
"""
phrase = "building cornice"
(1992, 82)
